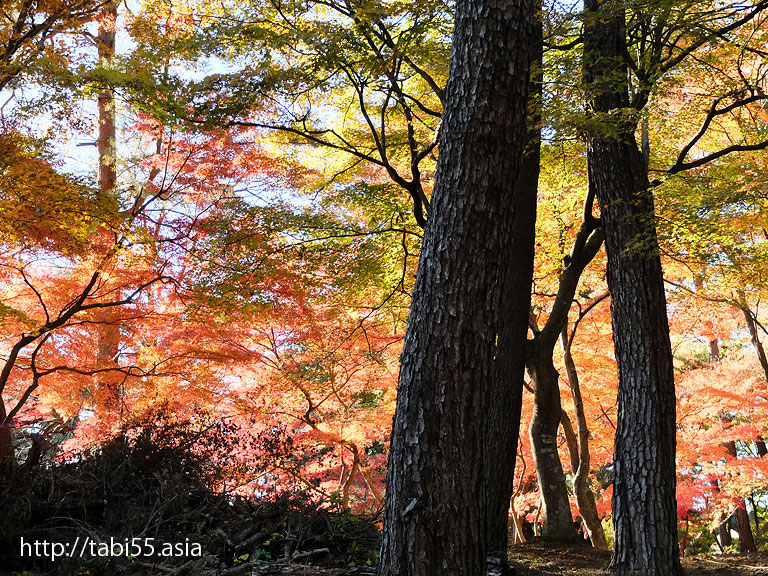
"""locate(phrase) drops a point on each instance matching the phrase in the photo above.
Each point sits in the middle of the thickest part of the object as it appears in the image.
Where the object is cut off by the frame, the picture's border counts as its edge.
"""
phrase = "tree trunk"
(743, 526)
(725, 533)
(556, 509)
(7, 453)
(644, 503)
(762, 449)
(106, 102)
(752, 327)
(108, 319)
(555, 504)
(457, 345)
(585, 498)
(507, 396)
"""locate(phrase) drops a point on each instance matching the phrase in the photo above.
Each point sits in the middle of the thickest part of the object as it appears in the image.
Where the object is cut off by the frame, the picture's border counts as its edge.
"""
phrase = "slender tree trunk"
(106, 102)
(743, 526)
(725, 533)
(756, 343)
(108, 319)
(555, 508)
(555, 504)
(457, 343)
(585, 498)
(644, 503)
(754, 510)
(7, 453)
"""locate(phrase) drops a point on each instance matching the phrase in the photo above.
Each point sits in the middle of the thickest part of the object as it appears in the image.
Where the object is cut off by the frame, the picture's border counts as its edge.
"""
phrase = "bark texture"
(506, 392)
(106, 101)
(644, 503)
(108, 318)
(454, 350)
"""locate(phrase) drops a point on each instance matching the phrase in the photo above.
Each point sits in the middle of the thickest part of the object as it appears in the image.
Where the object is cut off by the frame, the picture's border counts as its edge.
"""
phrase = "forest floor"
(544, 559)
(540, 559)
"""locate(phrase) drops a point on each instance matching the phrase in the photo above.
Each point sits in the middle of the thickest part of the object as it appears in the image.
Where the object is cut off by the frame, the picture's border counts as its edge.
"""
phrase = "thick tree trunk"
(644, 504)
(746, 538)
(507, 396)
(457, 343)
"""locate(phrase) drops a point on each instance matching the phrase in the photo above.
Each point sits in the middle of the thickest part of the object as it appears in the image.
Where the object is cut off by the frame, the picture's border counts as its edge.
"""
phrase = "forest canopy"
(211, 219)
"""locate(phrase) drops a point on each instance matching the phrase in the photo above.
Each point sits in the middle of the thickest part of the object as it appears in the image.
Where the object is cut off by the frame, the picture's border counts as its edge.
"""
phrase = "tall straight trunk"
(106, 102)
(456, 345)
(507, 395)
(644, 503)
(108, 318)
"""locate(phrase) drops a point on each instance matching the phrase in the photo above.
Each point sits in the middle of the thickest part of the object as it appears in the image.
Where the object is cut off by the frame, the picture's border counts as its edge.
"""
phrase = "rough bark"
(108, 318)
(454, 350)
(506, 395)
(644, 503)
(106, 102)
